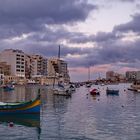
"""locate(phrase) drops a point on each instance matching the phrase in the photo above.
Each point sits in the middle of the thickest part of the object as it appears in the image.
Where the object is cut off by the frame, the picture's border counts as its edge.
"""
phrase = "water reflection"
(80, 117)
(29, 120)
(21, 93)
(28, 123)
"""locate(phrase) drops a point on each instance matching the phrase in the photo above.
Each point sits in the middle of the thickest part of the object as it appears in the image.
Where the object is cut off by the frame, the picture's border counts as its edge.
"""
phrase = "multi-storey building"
(58, 68)
(28, 67)
(19, 67)
(5, 68)
(110, 75)
(4, 71)
(138, 75)
(16, 59)
(133, 75)
(38, 65)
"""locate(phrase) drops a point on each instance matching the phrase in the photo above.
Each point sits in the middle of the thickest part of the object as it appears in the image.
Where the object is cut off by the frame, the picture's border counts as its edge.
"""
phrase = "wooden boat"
(112, 91)
(94, 92)
(28, 107)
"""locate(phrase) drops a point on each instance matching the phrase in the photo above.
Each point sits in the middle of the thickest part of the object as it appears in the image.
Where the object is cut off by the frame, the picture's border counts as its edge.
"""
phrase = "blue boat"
(112, 91)
(29, 107)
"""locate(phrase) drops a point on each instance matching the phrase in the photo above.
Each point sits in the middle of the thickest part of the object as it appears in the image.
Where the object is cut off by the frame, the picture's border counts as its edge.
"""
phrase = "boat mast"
(89, 73)
(58, 67)
(59, 53)
(58, 64)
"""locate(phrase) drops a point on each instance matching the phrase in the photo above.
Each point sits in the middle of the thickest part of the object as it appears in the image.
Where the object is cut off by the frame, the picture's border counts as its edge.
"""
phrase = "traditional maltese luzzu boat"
(29, 107)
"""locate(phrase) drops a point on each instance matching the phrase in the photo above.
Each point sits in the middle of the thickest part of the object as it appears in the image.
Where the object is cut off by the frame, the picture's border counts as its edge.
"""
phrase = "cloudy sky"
(102, 34)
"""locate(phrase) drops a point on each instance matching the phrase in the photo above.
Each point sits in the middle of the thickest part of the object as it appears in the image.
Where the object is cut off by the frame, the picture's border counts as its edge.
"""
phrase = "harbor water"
(79, 117)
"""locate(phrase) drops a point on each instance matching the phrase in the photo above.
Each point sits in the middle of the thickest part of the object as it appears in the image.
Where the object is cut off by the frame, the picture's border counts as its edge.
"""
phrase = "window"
(18, 55)
(18, 58)
(18, 66)
(18, 62)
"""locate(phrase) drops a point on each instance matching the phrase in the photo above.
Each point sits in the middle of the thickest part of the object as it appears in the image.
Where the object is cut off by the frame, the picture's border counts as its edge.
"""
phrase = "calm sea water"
(81, 117)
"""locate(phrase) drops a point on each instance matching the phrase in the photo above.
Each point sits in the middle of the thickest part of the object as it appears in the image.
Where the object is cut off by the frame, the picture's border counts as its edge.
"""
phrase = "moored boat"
(94, 92)
(29, 107)
(112, 91)
(62, 92)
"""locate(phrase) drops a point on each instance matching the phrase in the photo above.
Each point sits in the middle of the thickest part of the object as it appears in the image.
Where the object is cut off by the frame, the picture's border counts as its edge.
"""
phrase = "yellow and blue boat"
(29, 107)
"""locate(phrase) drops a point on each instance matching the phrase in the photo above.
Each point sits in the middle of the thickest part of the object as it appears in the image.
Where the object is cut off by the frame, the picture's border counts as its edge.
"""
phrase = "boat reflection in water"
(29, 120)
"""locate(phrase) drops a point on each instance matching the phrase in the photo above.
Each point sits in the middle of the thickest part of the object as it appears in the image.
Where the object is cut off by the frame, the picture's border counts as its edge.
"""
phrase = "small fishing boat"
(29, 107)
(112, 91)
(94, 92)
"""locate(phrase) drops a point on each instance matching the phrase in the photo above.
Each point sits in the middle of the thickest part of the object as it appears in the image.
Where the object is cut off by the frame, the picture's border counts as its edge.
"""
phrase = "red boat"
(94, 92)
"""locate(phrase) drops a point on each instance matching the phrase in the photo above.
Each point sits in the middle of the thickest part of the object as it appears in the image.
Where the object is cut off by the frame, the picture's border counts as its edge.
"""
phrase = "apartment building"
(19, 67)
(5, 69)
(16, 60)
(110, 75)
(28, 67)
(38, 65)
(58, 68)
(133, 75)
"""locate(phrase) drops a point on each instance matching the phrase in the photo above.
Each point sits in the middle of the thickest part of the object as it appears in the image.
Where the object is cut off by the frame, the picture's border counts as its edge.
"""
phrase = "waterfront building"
(131, 75)
(38, 65)
(5, 68)
(58, 68)
(110, 75)
(138, 75)
(16, 60)
(4, 71)
(115, 77)
(20, 68)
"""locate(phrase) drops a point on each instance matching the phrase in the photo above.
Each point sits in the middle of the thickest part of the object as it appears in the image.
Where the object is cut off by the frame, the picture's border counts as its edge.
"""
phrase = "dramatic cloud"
(133, 25)
(128, 0)
(18, 17)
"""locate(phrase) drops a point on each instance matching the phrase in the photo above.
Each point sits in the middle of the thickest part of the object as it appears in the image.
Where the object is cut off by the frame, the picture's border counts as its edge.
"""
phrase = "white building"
(15, 58)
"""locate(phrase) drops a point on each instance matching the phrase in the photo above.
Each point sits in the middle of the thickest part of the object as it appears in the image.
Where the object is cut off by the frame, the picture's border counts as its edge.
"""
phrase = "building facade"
(58, 68)
(133, 75)
(16, 60)
(38, 65)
